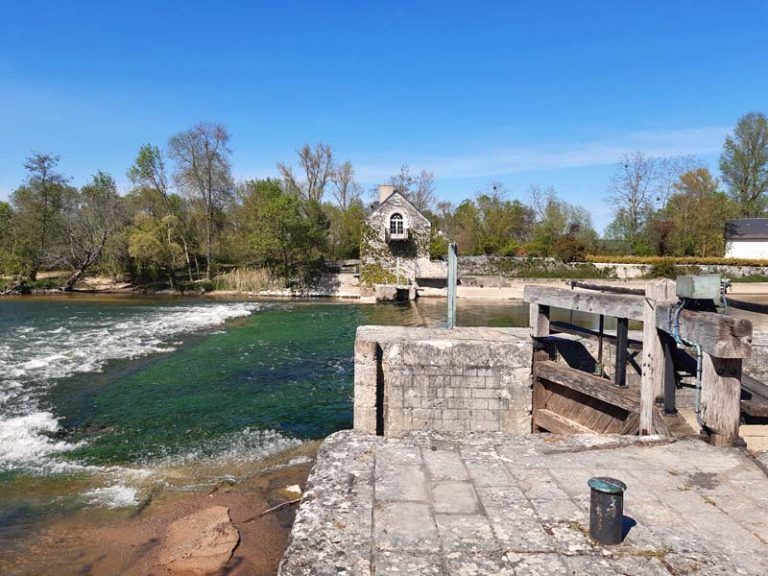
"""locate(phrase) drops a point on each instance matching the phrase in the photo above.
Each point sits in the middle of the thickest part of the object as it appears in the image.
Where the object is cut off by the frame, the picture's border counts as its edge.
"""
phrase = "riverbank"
(512, 291)
(142, 540)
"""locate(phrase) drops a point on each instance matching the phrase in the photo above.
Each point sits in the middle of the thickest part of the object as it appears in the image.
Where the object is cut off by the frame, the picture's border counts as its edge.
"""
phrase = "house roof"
(747, 229)
(401, 195)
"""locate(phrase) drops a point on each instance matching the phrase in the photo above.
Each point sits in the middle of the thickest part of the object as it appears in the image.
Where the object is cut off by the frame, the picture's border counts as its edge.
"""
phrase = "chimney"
(385, 191)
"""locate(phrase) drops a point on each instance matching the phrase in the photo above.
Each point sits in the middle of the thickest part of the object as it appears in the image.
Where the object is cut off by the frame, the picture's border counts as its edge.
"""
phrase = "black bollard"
(606, 511)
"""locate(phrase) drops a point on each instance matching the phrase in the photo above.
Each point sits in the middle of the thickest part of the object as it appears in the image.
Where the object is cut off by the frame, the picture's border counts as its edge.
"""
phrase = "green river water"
(105, 399)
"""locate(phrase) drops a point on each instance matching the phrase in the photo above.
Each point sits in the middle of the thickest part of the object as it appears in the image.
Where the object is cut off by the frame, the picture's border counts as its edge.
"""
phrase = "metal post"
(453, 269)
(600, 330)
(622, 338)
(606, 510)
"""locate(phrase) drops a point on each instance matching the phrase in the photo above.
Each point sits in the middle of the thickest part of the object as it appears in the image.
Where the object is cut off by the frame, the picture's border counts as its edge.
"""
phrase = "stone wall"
(466, 379)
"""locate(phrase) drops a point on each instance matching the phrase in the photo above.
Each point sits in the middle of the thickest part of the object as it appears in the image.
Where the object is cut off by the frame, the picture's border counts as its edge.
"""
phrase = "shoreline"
(138, 540)
(513, 291)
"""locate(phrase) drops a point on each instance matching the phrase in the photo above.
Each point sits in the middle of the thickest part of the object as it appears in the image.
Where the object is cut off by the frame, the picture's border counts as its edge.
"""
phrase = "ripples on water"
(116, 391)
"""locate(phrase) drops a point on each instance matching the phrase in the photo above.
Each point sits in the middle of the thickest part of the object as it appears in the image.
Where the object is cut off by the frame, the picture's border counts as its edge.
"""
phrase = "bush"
(570, 249)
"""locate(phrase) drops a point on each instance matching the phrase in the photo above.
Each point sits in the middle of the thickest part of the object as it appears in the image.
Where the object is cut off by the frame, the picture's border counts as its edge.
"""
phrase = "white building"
(746, 238)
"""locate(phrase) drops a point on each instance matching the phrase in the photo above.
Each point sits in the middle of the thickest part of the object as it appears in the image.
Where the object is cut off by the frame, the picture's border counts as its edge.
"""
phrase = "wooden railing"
(723, 342)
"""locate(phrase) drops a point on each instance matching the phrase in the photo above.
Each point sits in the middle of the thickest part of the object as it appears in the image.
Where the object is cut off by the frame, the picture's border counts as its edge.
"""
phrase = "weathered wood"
(606, 288)
(566, 328)
(670, 376)
(653, 355)
(721, 399)
(659, 425)
(754, 397)
(558, 424)
(748, 306)
(539, 320)
(588, 384)
(718, 335)
(620, 306)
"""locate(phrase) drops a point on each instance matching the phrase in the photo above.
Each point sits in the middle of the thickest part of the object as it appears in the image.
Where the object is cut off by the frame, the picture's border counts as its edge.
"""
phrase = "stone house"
(395, 240)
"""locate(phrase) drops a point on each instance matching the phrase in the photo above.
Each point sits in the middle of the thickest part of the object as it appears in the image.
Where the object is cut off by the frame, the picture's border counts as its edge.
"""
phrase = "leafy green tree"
(91, 216)
(37, 213)
(744, 164)
(697, 212)
(149, 172)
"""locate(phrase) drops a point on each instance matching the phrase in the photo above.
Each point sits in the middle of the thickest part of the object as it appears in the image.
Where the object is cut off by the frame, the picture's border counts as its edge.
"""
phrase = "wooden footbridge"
(573, 393)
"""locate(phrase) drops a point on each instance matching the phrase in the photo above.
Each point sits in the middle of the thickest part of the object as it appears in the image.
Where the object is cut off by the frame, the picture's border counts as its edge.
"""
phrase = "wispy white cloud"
(511, 160)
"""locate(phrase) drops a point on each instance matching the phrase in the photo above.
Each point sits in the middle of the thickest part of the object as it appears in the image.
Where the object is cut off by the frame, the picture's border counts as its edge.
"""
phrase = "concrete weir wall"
(465, 379)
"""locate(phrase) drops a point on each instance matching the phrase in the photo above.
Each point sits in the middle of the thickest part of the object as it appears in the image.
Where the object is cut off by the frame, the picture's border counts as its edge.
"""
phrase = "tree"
(697, 212)
(318, 167)
(419, 189)
(37, 208)
(744, 164)
(631, 192)
(148, 171)
(558, 220)
(346, 189)
(203, 172)
(91, 217)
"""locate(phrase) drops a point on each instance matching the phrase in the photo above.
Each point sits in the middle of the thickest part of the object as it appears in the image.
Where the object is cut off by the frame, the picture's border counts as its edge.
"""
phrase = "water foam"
(31, 357)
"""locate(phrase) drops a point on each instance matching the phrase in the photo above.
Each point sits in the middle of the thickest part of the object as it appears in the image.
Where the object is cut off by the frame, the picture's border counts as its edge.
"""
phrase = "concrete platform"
(498, 504)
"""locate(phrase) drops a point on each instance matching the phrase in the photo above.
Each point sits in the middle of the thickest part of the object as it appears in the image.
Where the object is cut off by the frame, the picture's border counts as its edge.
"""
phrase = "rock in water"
(200, 543)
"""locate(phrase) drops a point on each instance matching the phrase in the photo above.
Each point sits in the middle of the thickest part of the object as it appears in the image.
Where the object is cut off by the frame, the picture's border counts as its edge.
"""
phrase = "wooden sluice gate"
(575, 395)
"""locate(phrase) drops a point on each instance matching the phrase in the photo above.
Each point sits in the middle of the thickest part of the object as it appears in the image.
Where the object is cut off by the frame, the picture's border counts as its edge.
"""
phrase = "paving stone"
(469, 532)
(445, 465)
(478, 564)
(407, 564)
(405, 526)
(405, 483)
(454, 497)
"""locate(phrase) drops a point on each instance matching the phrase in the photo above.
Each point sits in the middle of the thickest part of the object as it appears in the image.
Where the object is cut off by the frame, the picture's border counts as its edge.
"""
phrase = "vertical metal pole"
(622, 337)
(453, 269)
(397, 271)
(600, 330)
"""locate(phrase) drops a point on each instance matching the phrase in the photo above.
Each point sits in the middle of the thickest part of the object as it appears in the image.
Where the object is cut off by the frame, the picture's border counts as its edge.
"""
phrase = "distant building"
(395, 241)
(746, 238)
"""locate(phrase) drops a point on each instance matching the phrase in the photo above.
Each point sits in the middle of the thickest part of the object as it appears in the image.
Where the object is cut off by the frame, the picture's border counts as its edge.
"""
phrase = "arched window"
(396, 224)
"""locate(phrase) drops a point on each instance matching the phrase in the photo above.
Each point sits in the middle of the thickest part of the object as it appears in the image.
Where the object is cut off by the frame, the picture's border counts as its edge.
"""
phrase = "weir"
(475, 449)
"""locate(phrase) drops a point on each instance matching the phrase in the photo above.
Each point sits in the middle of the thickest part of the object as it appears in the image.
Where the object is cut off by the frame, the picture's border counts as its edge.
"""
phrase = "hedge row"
(683, 260)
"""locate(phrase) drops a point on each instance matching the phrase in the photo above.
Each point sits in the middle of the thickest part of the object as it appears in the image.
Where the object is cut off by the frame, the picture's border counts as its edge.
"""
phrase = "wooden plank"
(659, 425)
(566, 328)
(618, 305)
(748, 306)
(718, 335)
(588, 384)
(653, 355)
(721, 397)
(631, 424)
(606, 288)
(557, 424)
(539, 320)
(754, 397)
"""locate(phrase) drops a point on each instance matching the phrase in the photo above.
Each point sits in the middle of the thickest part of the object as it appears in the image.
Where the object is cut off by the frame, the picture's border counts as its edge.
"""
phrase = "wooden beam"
(588, 384)
(718, 335)
(618, 305)
(557, 424)
(539, 320)
(754, 397)
(566, 328)
(721, 399)
(653, 355)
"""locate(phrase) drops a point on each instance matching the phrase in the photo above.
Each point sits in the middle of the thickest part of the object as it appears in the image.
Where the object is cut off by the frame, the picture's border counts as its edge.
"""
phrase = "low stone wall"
(465, 379)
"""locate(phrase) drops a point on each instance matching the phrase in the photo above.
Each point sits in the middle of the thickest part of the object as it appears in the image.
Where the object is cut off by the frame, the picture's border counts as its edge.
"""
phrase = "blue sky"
(548, 93)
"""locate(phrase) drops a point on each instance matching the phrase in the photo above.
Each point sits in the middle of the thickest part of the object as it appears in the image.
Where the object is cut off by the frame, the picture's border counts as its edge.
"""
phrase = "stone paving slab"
(480, 504)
